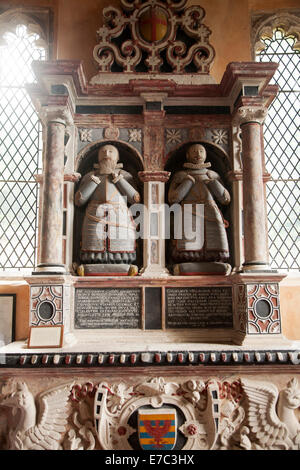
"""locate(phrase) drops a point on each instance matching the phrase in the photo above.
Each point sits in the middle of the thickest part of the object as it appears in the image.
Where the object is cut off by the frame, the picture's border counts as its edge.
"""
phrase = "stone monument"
(192, 359)
(203, 245)
(108, 232)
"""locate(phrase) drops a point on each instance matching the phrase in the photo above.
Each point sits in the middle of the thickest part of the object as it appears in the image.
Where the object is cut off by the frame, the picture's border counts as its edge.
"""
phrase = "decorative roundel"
(263, 308)
(46, 310)
(153, 24)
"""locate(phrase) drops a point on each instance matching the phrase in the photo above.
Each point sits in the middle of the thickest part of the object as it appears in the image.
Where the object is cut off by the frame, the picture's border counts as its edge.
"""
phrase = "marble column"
(255, 236)
(154, 223)
(50, 260)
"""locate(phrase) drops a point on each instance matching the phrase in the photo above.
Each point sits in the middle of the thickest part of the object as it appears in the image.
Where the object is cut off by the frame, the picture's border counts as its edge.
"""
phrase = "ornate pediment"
(154, 37)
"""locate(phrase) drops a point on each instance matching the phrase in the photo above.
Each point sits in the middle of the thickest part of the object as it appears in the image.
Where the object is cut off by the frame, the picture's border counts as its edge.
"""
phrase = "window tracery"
(22, 41)
(276, 39)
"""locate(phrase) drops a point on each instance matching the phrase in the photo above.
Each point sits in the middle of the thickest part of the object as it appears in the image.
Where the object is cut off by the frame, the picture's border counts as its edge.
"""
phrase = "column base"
(107, 270)
(261, 341)
(154, 271)
(257, 267)
(201, 268)
(50, 269)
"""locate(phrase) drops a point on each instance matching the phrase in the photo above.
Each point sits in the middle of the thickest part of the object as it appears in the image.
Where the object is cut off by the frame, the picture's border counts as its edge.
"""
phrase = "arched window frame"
(38, 22)
(263, 27)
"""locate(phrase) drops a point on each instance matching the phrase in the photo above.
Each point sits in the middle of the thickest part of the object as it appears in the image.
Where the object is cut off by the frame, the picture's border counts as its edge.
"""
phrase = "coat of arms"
(157, 428)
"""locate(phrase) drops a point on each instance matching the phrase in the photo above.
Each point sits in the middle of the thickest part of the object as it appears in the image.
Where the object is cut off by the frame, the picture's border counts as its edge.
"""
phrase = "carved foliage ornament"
(154, 27)
(239, 414)
(246, 114)
(36, 424)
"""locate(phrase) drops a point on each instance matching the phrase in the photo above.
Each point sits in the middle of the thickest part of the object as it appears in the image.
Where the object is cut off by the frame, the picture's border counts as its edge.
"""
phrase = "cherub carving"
(271, 415)
(36, 426)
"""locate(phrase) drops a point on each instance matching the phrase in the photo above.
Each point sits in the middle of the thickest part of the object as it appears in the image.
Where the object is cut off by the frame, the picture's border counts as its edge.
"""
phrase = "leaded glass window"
(281, 135)
(20, 151)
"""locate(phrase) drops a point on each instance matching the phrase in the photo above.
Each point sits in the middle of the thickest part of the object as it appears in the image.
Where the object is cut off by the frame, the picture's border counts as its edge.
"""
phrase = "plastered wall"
(76, 23)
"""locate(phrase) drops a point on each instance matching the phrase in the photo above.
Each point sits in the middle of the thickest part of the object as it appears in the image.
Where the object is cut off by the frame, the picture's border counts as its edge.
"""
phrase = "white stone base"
(154, 271)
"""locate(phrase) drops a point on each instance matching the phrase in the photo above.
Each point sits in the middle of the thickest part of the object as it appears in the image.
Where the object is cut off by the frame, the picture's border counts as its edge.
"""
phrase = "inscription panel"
(199, 307)
(107, 308)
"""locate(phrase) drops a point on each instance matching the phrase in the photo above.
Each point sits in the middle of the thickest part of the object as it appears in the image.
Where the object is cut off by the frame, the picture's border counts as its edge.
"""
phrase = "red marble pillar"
(50, 261)
(256, 248)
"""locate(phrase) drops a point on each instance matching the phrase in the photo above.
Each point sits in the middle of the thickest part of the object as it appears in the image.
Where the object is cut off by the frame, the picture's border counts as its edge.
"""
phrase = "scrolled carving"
(37, 424)
(129, 4)
(82, 435)
(198, 54)
(105, 56)
(273, 429)
(152, 13)
(192, 25)
(114, 18)
(238, 414)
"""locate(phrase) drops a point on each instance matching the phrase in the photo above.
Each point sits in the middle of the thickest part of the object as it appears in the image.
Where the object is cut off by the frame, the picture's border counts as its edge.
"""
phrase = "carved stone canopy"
(137, 39)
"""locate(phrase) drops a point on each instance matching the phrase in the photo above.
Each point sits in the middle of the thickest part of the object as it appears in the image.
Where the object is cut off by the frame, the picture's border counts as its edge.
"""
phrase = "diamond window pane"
(283, 205)
(281, 134)
(18, 224)
(20, 151)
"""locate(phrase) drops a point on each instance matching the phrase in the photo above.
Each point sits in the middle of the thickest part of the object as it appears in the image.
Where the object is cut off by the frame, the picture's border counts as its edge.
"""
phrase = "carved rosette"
(154, 27)
(111, 133)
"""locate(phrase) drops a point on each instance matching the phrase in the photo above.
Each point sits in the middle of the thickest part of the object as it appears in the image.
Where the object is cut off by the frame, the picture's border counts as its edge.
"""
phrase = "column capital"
(147, 176)
(60, 114)
(68, 177)
(247, 114)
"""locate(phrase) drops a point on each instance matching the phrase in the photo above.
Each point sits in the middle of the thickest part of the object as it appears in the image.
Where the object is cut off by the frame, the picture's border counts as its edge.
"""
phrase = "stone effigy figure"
(193, 185)
(108, 232)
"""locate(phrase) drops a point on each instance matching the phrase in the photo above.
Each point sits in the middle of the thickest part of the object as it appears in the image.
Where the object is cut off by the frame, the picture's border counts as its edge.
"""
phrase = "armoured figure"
(193, 185)
(108, 232)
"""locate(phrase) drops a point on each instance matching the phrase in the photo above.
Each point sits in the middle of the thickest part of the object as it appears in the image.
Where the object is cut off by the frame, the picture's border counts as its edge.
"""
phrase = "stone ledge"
(153, 358)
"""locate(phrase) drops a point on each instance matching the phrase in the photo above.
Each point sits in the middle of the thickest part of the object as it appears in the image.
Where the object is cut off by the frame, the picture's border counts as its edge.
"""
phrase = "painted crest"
(157, 428)
(153, 24)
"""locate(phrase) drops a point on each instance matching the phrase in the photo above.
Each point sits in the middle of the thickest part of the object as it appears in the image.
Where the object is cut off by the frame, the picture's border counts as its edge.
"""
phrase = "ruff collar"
(118, 166)
(196, 166)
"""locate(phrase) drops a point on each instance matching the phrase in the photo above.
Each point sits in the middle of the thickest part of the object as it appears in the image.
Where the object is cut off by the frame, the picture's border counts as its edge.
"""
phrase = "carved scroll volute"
(132, 4)
(201, 53)
(191, 22)
(152, 14)
(105, 53)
